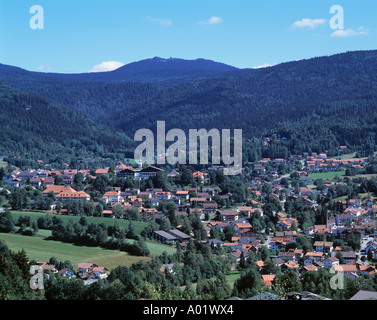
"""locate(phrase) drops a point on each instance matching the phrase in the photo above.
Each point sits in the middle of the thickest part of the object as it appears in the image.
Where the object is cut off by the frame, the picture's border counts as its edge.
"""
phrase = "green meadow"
(327, 175)
(138, 225)
(40, 249)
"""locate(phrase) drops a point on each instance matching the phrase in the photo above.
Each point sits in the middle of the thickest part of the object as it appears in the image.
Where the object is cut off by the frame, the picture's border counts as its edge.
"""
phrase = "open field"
(3, 164)
(366, 176)
(348, 156)
(327, 175)
(343, 198)
(130, 160)
(138, 225)
(40, 249)
(232, 277)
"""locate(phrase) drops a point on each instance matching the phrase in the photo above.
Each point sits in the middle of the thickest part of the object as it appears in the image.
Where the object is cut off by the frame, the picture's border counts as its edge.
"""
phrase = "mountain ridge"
(315, 103)
(149, 70)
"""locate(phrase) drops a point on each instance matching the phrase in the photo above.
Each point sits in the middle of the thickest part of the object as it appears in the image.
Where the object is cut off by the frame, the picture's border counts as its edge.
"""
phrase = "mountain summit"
(158, 70)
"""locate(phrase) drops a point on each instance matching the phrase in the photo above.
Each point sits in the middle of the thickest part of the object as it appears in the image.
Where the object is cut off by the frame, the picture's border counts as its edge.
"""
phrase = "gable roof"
(57, 189)
(364, 295)
(74, 194)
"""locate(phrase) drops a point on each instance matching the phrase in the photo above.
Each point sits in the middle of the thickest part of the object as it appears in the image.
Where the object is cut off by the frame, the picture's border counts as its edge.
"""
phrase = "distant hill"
(316, 104)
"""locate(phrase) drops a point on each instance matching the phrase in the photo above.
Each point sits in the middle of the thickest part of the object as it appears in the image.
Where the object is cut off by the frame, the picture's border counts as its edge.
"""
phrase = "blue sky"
(81, 35)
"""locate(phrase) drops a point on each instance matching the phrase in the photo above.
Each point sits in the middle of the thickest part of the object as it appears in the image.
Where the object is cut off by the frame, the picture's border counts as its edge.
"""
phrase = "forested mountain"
(35, 128)
(316, 104)
(167, 71)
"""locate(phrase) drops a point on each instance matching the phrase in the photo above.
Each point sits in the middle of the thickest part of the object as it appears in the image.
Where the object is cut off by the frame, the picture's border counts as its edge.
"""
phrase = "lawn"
(3, 164)
(327, 175)
(350, 156)
(40, 249)
(365, 176)
(138, 225)
(129, 160)
(232, 277)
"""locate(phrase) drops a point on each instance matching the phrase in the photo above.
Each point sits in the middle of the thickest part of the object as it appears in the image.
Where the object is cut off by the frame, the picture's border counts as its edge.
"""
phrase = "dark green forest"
(312, 105)
(36, 128)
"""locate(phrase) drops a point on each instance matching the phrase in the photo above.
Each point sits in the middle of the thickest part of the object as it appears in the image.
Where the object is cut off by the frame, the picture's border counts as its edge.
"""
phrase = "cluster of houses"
(356, 216)
(321, 162)
(41, 177)
(135, 197)
(44, 177)
(86, 271)
(313, 162)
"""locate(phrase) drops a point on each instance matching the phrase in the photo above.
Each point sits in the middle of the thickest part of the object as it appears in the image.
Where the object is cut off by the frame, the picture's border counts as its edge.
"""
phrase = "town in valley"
(300, 219)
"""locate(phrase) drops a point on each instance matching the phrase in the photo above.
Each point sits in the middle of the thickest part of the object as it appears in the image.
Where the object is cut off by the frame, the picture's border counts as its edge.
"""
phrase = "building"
(344, 219)
(78, 196)
(323, 246)
(209, 207)
(365, 295)
(329, 262)
(57, 190)
(148, 172)
(112, 196)
(164, 237)
(227, 215)
(128, 173)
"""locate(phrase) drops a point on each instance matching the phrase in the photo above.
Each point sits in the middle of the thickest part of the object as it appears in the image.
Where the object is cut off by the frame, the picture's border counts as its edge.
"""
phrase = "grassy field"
(40, 249)
(3, 164)
(327, 175)
(343, 198)
(232, 277)
(349, 156)
(138, 225)
(366, 176)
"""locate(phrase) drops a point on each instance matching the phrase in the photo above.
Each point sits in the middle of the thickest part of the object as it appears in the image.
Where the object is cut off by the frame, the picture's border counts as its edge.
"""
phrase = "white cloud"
(160, 21)
(212, 20)
(44, 67)
(266, 65)
(308, 23)
(350, 33)
(107, 66)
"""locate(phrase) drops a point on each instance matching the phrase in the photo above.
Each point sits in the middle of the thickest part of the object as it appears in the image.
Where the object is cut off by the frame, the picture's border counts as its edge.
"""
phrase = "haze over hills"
(317, 104)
